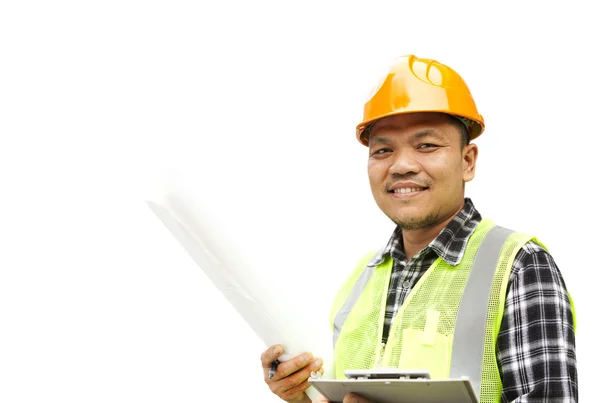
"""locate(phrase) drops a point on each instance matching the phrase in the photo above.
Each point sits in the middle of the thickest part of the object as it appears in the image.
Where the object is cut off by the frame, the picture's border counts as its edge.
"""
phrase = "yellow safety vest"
(448, 323)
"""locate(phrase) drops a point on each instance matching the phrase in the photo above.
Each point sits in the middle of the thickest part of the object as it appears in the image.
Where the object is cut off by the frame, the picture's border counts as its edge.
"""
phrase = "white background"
(256, 103)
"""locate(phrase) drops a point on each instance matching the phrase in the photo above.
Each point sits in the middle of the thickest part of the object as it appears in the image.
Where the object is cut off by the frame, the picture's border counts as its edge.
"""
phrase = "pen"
(273, 369)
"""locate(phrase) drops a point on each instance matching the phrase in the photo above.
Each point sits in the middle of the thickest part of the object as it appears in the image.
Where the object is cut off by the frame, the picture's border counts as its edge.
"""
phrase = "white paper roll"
(271, 313)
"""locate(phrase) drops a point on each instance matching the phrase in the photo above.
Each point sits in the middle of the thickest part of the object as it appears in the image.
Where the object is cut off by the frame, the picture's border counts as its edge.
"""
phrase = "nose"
(404, 162)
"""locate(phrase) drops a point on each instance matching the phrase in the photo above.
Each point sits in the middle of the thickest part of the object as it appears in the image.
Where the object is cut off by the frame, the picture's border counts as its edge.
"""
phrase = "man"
(449, 283)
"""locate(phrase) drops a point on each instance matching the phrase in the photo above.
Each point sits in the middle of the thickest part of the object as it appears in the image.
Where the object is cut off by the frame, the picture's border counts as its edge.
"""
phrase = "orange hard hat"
(420, 85)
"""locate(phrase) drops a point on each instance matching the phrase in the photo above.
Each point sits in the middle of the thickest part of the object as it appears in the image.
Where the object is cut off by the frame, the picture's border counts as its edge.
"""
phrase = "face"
(418, 168)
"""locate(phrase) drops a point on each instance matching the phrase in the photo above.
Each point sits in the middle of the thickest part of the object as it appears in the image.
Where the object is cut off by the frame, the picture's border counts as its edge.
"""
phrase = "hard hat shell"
(421, 85)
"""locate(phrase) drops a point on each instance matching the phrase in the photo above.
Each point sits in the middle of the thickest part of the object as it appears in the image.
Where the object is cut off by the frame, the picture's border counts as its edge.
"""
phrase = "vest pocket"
(424, 350)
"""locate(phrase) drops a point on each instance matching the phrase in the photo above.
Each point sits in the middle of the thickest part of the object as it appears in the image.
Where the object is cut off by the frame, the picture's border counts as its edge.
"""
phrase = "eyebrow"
(428, 133)
(378, 139)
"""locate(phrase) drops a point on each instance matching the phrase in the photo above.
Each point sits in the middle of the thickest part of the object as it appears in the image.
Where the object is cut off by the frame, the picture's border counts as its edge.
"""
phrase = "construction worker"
(451, 292)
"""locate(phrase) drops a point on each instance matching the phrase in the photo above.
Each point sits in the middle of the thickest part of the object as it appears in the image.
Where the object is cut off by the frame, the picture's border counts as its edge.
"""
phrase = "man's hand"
(354, 398)
(291, 378)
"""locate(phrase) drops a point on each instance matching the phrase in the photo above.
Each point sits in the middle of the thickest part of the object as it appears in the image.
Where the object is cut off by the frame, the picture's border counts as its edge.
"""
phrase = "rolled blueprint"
(271, 313)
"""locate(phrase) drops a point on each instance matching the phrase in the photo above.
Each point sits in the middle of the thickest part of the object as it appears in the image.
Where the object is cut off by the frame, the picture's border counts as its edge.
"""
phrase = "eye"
(380, 151)
(426, 145)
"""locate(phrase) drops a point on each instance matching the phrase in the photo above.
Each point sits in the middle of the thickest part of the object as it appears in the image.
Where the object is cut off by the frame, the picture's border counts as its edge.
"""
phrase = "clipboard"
(398, 390)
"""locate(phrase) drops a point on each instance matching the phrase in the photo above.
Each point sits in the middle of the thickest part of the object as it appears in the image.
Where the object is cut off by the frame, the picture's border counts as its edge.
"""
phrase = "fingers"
(354, 398)
(290, 385)
(291, 377)
(270, 355)
(295, 391)
(287, 368)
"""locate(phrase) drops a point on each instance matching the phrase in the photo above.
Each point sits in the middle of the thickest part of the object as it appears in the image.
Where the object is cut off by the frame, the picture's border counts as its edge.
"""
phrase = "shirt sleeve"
(536, 344)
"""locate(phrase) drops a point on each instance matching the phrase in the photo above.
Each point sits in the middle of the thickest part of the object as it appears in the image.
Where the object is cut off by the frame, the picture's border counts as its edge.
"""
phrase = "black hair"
(465, 136)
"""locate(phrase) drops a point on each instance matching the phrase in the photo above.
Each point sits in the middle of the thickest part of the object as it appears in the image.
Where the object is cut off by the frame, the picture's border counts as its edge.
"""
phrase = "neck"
(417, 239)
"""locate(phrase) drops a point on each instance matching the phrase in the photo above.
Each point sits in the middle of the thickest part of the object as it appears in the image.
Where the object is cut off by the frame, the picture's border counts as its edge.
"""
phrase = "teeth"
(407, 190)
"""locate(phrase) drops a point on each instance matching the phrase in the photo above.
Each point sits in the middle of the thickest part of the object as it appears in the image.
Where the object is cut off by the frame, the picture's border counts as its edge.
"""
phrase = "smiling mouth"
(408, 190)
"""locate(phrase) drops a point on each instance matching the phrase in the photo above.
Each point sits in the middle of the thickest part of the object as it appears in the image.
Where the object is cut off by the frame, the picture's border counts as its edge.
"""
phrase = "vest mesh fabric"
(439, 290)
(363, 328)
(422, 333)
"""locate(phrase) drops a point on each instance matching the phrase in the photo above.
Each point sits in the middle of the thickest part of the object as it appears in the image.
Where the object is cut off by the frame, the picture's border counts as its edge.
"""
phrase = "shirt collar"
(450, 244)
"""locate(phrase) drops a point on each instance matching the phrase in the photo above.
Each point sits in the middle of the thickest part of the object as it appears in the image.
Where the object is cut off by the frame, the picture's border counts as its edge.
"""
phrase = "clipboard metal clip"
(387, 373)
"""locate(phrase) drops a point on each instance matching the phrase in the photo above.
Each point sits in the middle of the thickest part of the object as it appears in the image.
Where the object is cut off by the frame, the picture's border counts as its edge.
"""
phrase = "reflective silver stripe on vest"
(354, 295)
(469, 331)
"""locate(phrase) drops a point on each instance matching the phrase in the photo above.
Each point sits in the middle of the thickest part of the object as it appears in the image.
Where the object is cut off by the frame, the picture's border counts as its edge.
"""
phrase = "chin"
(415, 222)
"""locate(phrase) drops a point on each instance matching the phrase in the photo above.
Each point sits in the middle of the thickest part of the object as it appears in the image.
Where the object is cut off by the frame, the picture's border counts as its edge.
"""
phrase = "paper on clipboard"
(198, 233)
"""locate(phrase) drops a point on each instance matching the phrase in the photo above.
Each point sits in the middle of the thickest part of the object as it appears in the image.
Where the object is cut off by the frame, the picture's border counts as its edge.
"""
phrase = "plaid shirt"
(535, 350)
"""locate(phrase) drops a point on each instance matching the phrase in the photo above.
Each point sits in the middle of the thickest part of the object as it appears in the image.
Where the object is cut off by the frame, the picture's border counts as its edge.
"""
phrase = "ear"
(469, 161)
